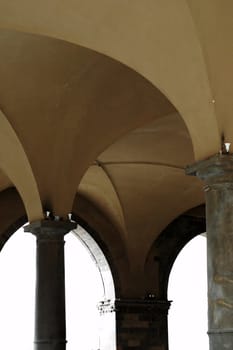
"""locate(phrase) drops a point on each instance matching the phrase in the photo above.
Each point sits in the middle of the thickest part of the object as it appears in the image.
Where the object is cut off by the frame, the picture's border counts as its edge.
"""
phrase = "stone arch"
(167, 247)
(99, 259)
(16, 219)
(98, 249)
(107, 237)
(13, 216)
(106, 306)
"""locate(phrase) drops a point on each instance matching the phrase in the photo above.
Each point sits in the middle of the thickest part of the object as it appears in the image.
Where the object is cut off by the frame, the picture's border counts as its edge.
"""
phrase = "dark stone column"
(50, 324)
(141, 324)
(217, 173)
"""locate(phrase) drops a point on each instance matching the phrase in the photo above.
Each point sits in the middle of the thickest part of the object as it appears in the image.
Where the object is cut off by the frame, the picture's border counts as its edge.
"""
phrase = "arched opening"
(98, 312)
(86, 288)
(17, 292)
(187, 288)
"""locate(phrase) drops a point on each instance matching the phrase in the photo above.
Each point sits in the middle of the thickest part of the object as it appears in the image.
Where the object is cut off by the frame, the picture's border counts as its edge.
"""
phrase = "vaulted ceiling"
(110, 101)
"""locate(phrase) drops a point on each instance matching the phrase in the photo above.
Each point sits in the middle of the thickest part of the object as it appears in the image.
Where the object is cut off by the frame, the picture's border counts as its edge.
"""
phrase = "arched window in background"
(88, 283)
(187, 288)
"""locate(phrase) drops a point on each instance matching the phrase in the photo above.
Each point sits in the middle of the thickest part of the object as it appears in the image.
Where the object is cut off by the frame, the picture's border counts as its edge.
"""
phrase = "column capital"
(50, 228)
(142, 305)
(217, 169)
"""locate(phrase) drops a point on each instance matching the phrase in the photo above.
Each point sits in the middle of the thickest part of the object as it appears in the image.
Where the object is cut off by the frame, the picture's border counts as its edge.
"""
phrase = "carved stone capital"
(152, 306)
(49, 229)
(215, 170)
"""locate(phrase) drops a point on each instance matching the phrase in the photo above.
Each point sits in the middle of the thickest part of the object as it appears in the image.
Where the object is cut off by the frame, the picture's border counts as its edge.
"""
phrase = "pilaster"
(141, 324)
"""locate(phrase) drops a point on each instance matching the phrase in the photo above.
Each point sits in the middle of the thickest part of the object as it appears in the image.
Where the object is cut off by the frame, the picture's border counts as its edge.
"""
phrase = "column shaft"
(219, 204)
(50, 323)
(217, 173)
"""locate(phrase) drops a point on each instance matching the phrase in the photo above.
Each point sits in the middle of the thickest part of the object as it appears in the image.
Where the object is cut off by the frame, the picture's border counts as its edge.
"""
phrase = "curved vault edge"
(99, 259)
(119, 205)
(15, 164)
(115, 211)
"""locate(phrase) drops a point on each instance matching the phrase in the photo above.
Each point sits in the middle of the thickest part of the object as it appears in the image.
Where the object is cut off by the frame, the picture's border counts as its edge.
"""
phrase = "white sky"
(187, 289)
(17, 285)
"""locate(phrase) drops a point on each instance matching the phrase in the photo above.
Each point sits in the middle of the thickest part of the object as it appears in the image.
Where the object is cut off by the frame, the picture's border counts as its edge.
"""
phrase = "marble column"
(50, 323)
(217, 174)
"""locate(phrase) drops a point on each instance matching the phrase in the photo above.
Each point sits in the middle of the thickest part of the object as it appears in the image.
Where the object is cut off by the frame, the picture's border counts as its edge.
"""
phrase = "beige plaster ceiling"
(160, 39)
(4, 182)
(65, 104)
(214, 24)
(145, 169)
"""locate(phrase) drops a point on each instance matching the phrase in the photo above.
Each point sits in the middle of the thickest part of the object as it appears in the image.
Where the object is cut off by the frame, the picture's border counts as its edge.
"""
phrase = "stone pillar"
(141, 324)
(50, 324)
(217, 173)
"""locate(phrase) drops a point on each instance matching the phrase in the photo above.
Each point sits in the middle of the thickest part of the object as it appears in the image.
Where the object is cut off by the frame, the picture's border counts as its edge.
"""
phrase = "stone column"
(217, 174)
(50, 324)
(141, 324)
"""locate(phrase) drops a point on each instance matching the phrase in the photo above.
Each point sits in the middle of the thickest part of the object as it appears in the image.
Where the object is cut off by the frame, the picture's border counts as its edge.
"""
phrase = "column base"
(221, 339)
(50, 344)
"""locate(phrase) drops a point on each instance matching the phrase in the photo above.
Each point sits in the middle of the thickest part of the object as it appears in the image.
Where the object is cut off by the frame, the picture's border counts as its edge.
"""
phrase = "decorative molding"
(106, 306)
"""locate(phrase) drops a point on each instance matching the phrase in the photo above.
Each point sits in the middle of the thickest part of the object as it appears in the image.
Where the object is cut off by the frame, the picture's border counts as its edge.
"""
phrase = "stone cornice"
(145, 305)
